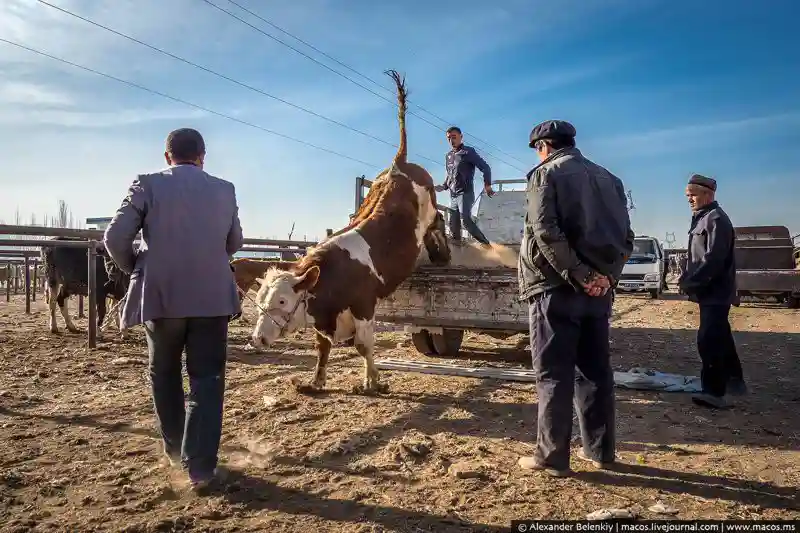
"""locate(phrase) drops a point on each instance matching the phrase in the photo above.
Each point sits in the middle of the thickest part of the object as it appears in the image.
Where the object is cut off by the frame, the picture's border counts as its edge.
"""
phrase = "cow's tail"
(402, 95)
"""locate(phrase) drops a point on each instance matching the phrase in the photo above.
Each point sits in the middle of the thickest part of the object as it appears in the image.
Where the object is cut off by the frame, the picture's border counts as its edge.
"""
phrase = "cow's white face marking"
(357, 247)
(279, 307)
(426, 210)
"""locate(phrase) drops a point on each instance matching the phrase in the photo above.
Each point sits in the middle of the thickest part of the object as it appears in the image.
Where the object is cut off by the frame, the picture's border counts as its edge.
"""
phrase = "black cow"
(66, 274)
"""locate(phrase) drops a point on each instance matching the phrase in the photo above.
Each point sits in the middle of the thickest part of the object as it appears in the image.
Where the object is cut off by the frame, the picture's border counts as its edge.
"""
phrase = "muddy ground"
(80, 453)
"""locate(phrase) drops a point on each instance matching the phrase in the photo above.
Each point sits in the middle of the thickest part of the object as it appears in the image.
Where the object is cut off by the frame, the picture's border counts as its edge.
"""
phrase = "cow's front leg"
(365, 345)
(102, 303)
(320, 372)
(51, 302)
(62, 306)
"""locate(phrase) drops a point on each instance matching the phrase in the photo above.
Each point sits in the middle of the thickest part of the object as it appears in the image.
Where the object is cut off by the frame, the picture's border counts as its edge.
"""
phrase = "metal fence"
(26, 250)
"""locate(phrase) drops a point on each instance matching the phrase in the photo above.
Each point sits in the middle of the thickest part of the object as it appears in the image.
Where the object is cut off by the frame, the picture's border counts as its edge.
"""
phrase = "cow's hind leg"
(320, 372)
(61, 299)
(365, 345)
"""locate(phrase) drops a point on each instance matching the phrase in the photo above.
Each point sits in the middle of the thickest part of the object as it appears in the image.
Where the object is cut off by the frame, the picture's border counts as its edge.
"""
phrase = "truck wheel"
(794, 302)
(423, 342)
(448, 343)
(655, 294)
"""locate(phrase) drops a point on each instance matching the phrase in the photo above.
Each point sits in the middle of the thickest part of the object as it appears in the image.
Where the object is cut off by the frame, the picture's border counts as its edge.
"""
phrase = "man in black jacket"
(710, 280)
(576, 240)
(461, 163)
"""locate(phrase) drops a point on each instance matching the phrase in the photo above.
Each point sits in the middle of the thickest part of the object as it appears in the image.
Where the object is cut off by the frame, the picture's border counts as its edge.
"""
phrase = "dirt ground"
(80, 453)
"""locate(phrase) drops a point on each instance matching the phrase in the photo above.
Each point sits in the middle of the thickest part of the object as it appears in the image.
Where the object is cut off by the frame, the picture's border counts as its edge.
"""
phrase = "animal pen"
(90, 240)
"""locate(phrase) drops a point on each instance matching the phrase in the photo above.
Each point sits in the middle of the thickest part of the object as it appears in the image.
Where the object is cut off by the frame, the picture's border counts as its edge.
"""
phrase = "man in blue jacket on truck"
(460, 163)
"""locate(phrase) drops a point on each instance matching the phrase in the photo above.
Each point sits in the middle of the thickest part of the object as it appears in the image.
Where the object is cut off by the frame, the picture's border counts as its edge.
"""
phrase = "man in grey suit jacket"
(182, 289)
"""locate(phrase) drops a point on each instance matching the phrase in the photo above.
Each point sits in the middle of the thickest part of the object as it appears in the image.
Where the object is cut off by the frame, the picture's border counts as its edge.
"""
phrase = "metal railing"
(91, 240)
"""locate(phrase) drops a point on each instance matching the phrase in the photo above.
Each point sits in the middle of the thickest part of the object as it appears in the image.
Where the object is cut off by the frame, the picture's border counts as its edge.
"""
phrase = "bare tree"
(63, 214)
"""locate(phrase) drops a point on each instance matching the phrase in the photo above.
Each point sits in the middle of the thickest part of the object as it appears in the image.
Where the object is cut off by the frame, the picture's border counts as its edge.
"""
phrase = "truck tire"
(655, 294)
(793, 302)
(448, 343)
(423, 342)
(445, 344)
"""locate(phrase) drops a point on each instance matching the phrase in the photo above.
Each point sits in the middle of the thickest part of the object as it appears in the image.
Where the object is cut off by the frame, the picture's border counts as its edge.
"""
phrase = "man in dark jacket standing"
(710, 280)
(460, 163)
(576, 240)
(183, 291)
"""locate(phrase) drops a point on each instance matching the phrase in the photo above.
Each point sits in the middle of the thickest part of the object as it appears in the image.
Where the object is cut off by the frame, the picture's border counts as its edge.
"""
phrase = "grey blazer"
(190, 230)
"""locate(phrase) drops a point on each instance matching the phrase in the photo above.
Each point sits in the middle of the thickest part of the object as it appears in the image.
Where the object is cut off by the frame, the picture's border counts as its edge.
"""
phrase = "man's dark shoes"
(708, 400)
(737, 387)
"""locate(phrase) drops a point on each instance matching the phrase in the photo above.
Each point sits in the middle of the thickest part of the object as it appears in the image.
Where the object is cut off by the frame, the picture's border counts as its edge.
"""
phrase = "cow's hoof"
(75, 330)
(307, 388)
(378, 388)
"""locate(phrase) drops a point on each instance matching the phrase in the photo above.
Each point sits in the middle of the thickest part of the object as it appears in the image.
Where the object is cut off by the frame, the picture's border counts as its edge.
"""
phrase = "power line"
(181, 101)
(227, 78)
(382, 97)
(351, 69)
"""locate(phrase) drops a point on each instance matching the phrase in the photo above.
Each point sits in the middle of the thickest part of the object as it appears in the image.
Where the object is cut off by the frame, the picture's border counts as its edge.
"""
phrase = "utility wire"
(364, 76)
(382, 97)
(190, 104)
(227, 78)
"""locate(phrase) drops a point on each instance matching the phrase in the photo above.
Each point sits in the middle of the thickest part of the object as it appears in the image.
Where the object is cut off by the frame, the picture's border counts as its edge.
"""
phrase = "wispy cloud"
(698, 135)
(94, 119)
(32, 94)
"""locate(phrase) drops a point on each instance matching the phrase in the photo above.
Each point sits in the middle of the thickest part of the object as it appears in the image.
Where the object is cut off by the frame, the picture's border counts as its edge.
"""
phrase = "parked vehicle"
(646, 269)
(765, 264)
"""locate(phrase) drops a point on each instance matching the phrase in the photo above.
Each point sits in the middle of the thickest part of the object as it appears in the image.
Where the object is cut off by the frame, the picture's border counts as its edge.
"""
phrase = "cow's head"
(283, 304)
(117, 279)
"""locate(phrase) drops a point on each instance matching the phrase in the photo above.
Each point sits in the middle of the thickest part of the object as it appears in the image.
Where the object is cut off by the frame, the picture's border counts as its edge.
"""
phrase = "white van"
(645, 270)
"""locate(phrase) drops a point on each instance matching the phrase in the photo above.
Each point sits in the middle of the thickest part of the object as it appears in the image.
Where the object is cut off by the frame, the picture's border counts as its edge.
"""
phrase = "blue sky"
(656, 89)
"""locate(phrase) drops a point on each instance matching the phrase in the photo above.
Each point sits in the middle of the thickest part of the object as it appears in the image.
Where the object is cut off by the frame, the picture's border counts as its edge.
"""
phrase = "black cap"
(703, 181)
(185, 144)
(552, 129)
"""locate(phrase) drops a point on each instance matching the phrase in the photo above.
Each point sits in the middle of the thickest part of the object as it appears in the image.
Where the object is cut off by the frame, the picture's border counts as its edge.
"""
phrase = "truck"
(766, 264)
(646, 268)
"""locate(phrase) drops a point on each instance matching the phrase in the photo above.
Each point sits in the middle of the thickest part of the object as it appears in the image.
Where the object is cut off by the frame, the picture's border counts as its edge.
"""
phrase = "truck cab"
(645, 270)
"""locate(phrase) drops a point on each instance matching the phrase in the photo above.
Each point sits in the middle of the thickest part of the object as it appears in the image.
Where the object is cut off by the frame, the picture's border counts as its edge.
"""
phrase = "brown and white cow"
(337, 285)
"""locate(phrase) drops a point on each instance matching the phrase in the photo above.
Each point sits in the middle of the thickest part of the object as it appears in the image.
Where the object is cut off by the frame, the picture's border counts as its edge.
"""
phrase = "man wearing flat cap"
(710, 280)
(182, 289)
(576, 240)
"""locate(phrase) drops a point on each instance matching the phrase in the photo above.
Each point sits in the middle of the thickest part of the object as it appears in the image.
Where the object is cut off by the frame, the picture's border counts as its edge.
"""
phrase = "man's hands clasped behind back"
(596, 285)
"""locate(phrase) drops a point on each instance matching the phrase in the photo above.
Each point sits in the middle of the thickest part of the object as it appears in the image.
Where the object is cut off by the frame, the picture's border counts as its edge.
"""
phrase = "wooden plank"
(506, 374)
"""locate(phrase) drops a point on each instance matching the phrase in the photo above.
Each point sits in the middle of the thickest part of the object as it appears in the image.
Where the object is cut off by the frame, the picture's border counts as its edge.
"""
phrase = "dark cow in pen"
(66, 274)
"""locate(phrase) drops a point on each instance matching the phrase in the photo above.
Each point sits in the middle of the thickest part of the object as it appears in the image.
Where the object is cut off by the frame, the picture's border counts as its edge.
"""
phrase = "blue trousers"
(570, 330)
(193, 433)
(461, 213)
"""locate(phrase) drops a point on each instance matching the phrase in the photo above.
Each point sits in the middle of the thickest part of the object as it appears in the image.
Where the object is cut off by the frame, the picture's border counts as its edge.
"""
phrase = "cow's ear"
(307, 281)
